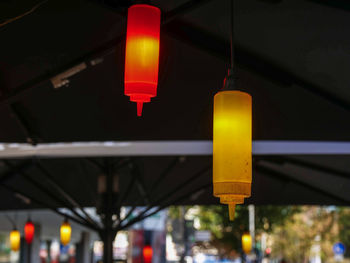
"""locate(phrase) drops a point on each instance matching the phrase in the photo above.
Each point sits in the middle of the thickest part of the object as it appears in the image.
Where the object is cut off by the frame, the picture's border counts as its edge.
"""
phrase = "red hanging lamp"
(29, 230)
(142, 54)
(147, 254)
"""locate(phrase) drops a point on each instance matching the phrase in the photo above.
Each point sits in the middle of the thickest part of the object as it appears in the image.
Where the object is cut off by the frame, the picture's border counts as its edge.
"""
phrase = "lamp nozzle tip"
(139, 108)
(232, 211)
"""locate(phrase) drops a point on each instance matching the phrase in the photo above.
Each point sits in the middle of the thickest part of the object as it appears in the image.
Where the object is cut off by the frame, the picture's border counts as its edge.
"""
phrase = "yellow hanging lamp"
(246, 243)
(66, 232)
(232, 142)
(15, 240)
(232, 147)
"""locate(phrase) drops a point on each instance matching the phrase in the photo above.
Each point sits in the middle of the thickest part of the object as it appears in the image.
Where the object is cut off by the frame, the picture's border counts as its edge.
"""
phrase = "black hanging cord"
(229, 82)
(232, 36)
(11, 221)
(148, 2)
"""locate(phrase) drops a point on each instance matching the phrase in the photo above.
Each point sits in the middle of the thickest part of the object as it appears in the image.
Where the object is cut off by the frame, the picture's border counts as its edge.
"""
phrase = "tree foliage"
(344, 227)
(294, 233)
(312, 231)
(227, 235)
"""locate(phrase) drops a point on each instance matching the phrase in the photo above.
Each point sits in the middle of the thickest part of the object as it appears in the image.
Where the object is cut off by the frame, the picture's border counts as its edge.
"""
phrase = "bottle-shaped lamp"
(246, 243)
(29, 232)
(232, 147)
(142, 54)
(15, 240)
(65, 232)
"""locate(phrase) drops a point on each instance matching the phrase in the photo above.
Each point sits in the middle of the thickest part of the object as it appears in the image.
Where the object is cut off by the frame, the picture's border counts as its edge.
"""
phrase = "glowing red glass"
(29, 232)
(147, 254)
(142, 54)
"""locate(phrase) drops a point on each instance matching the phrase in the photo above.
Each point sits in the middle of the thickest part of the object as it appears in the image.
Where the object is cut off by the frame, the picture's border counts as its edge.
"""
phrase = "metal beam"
(23, 123)
(309, 165)
(164, 148)
(20, 168)
(140, 197)
(88, 57)
(158, 181)
(44, 79)
(72, 203)
(43, 204)
(64, 194)
(48, 193)
(140, 184)
(181, 186)
(164, 198)
(182, 9)
(286, 177)
(99, 167)
(131, 183)
(144, 214)
(127, 192)
(339, 4)
(107, 234)
(200, 39)
(163, 175)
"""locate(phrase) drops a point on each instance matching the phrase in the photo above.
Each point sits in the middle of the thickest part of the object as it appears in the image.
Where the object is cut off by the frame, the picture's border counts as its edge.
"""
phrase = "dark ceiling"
(292, 56)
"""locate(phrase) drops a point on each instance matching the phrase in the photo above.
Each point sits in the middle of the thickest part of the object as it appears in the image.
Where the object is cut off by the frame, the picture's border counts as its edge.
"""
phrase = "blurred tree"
(312, 231)
(295, 233)
(226, 234)
(4, 248)
(344, 227)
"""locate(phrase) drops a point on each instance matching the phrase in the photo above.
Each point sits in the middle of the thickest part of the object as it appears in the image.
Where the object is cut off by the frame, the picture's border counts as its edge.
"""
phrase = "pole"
(29, 253)
(184, 233)
(108, 233)
(252, 223)
(48, 245)
(108, 238)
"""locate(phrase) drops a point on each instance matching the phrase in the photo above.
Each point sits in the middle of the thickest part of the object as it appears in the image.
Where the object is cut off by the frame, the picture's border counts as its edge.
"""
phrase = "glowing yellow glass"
(246, 243)
(66, 232)
(15, 240)
(232, 147)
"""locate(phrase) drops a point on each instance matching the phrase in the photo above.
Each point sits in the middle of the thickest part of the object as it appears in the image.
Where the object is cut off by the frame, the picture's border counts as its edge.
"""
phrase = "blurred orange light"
(246, 243)
(15, 240)
(147, 254)
(142, 54)
(66, 232)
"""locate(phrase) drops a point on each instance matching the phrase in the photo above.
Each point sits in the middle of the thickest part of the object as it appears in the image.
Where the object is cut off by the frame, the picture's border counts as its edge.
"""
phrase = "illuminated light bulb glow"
(246, 243)
(142, 54)
(232, 148)
(15, 240)
(66, 232)
(29, 232)
(147, 254)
